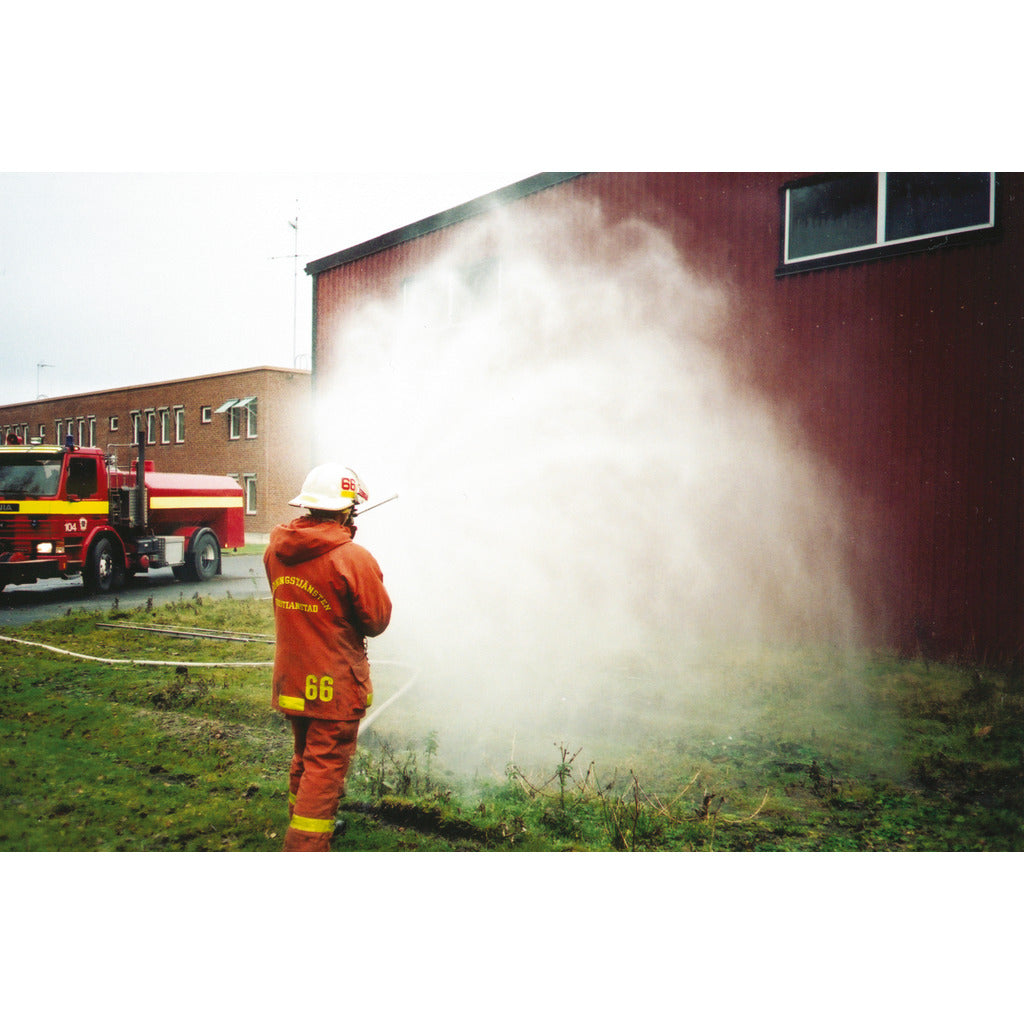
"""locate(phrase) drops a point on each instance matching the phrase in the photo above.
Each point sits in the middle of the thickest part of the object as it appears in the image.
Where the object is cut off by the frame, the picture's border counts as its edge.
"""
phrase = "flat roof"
(155, 384)
(437, 221)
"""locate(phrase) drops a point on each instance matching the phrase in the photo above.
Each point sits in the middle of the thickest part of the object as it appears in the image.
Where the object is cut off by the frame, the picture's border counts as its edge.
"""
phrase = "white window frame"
(881, 245)
(179, 424)
(249, 487)
(112, 423)
(150, 426)
(234, 407)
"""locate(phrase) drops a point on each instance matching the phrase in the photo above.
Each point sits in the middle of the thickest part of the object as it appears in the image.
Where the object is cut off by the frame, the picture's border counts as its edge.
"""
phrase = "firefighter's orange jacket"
(328, 595)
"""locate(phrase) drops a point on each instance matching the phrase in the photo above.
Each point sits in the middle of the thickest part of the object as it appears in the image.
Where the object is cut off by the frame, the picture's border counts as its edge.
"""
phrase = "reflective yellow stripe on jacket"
(291, 703)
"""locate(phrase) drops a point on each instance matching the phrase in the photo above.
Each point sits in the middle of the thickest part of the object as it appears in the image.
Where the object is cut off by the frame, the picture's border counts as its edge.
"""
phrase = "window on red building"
(845, 218)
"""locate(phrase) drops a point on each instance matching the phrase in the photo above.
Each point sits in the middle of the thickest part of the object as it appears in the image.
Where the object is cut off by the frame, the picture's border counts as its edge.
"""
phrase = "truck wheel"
(204, 560)
(104, 571)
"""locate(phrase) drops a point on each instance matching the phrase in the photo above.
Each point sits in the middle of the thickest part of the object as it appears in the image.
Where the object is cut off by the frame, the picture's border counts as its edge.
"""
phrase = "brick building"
(248, 424)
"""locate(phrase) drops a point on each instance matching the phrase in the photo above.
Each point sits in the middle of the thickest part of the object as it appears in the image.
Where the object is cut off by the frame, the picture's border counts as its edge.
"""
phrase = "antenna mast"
(294, 224)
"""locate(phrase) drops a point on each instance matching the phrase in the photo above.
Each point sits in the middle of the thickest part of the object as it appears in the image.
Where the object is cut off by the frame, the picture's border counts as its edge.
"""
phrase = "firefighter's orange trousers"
(323, 752)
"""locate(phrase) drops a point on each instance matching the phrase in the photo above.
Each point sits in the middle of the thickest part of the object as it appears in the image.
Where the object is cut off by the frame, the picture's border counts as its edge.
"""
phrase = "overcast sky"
(109, 279)
(114, 279)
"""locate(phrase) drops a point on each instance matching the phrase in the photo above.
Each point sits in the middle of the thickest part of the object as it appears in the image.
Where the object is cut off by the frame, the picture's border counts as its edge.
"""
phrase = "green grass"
(881, 754)
(246, 549)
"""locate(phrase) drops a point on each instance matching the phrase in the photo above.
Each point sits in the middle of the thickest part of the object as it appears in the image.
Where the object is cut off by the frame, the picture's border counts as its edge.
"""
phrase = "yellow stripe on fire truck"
(60, 508)
(228, 501)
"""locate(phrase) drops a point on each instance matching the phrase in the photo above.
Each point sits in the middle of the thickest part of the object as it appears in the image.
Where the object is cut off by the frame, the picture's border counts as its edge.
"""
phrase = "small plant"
(564, 773)
(182, 692)
(430, 749)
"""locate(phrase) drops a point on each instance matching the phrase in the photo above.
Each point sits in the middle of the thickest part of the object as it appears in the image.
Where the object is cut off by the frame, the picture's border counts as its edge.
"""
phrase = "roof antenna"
(294, 225)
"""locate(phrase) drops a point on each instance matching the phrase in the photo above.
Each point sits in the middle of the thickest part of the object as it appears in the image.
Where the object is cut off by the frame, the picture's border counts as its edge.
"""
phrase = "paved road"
(241, 576)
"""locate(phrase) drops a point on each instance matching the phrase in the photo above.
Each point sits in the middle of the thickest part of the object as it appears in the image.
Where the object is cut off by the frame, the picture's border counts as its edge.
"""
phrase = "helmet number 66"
(319, 689)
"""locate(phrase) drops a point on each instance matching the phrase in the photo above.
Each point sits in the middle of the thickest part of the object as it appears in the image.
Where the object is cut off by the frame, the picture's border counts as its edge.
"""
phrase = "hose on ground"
(366, 723)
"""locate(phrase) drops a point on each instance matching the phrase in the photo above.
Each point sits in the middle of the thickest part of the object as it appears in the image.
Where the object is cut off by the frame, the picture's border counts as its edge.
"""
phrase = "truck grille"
(15, 534)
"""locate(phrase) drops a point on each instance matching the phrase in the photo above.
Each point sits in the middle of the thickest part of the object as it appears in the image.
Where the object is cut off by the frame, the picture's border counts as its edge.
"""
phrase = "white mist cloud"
(584, 484)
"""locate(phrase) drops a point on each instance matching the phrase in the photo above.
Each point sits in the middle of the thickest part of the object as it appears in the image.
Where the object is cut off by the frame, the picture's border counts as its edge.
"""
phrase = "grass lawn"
(828, 755)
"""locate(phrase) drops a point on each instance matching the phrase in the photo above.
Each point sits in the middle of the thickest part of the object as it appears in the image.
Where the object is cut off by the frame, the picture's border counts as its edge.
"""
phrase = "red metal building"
(884, 312)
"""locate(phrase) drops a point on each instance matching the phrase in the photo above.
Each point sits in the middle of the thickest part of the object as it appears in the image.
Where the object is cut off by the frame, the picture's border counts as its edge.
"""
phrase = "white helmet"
(331, 487)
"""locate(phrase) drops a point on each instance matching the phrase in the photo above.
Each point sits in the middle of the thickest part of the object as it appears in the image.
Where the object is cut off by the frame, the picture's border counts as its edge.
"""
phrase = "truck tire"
(202, 562)
(104, 570)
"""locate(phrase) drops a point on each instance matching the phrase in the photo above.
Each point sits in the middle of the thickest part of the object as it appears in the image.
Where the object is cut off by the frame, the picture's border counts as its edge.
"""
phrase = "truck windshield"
(25, 475)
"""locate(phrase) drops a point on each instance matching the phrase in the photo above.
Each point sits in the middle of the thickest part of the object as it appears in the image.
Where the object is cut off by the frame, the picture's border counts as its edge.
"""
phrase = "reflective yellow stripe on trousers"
(311, 824)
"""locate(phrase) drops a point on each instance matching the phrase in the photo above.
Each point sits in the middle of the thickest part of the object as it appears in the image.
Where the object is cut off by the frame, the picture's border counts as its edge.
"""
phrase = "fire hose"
(367, 721)
(136, 661)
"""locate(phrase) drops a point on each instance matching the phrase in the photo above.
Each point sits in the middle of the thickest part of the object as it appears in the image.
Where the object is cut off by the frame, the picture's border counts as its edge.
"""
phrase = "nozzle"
(376, 504)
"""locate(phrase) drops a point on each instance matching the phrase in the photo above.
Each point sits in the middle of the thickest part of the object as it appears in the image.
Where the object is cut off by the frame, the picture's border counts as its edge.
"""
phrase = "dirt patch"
(428, 820)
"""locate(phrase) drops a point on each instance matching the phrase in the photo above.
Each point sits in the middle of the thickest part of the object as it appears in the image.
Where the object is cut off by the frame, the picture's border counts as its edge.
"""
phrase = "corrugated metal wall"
(905, 373)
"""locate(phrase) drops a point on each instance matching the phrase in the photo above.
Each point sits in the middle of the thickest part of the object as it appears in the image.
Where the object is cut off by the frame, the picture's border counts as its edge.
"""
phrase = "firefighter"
(329, 596)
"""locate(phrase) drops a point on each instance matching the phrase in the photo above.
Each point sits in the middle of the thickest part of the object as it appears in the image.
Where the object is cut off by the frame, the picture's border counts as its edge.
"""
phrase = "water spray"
(547, 618)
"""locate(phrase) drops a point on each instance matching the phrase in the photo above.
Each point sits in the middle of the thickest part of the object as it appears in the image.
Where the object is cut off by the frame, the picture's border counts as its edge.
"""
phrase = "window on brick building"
(179, 424)
(112, 423)
(205, 414)
(150, 426)
(239, 410)
(249, 485)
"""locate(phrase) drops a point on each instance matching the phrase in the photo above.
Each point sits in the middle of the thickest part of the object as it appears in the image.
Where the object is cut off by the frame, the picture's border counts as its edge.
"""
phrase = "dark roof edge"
(151, 384)
(473, 208)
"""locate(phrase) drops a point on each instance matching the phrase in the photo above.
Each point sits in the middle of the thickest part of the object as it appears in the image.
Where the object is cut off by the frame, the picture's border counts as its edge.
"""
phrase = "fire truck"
(69, 510)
